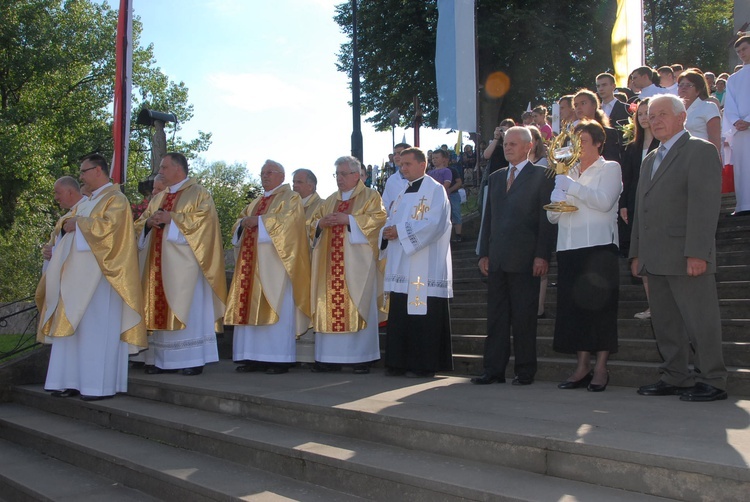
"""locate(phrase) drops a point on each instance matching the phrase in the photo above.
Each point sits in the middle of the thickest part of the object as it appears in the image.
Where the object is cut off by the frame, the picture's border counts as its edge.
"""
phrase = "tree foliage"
(547, 48)
(230, 188)
(57, 69)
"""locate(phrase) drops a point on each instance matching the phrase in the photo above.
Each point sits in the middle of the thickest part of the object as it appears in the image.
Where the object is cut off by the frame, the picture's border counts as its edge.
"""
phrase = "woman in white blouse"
(587, 258)
(703, 117)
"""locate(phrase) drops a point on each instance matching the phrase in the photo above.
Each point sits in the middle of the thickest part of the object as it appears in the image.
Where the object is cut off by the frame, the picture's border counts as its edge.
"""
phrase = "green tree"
(231, 190)
(56, 88)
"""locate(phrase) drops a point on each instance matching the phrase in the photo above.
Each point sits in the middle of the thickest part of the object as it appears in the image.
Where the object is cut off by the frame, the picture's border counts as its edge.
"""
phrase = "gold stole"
(341, 318)
(245, 270)
(163, 318)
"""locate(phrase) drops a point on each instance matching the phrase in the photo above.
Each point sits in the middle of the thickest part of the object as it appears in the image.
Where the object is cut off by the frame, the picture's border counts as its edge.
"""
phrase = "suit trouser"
(685, 312)
(512, 302)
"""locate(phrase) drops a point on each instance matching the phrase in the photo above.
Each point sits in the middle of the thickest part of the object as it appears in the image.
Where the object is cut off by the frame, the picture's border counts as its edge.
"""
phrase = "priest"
(418, 275)
(89, 298)
(269, 299)
(347, 281)
(183, 275)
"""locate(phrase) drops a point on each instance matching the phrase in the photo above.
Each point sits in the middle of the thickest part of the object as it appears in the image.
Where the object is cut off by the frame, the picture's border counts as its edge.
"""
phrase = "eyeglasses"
(341, 175)
(87, 170)
(685, 85)
(268, 173)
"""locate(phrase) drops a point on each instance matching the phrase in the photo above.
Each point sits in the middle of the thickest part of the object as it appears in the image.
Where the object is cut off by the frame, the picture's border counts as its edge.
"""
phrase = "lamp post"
(394, 122)
(356, 107)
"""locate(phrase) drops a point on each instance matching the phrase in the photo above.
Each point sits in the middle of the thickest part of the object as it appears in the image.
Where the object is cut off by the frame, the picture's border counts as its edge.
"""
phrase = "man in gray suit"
(673, 244)
(515, 246)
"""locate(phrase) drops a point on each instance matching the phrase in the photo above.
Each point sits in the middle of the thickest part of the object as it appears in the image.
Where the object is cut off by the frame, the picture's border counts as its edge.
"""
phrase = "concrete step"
(600, 439)
(26, 474)
(729, 309)
(165, 472)
(624, 373)
(640, 350)
(371, 469)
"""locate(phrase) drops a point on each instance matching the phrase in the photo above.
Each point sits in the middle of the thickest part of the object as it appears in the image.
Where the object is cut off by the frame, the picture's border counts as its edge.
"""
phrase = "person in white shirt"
(396, 181)
(587, 258)
(643, 78)
(667, 79)
(703, 116)
(737, 125)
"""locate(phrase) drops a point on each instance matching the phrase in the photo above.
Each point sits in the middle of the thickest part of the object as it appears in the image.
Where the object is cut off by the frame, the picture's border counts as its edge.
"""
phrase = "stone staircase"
(637, 361)
(338, 436)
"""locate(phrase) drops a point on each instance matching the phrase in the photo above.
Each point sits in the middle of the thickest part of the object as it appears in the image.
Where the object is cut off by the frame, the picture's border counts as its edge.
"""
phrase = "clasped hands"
(390, 233)
(741, 125)
(333, 219)
(159, 218)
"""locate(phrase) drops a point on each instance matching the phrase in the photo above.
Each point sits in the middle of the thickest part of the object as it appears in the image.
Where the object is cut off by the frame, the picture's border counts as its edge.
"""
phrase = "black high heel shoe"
(598, 388)
(576, 384)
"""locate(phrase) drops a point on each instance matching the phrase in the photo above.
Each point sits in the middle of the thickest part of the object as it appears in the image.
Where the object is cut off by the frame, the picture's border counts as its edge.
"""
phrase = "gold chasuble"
(65, 290)
(255, 293)
(169, 270)
(345, 275)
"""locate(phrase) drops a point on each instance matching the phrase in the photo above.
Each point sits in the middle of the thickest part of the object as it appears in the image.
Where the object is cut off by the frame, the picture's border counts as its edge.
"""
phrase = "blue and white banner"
(455, 62)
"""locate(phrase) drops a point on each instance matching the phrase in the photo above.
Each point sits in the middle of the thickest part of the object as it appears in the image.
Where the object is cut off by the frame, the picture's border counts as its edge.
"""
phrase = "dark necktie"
(511, 178)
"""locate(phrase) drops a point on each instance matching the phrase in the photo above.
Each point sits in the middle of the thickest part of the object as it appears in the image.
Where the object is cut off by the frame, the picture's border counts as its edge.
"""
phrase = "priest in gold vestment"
(89, 297)
(347, 278)
(183, 274)
(68, 196)
(305, 183)
(269, 299)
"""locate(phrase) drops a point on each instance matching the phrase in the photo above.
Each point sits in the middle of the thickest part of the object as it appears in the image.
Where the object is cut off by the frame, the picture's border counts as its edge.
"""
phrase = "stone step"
(165, 472)
(733, 330)
(463, 293)
(630, 349)
(622, 373)
(26, 474)
(729, 309)
(374, 470)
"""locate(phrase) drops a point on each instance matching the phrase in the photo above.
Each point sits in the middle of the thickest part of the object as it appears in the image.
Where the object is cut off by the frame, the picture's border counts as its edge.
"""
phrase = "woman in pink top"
(539, 114)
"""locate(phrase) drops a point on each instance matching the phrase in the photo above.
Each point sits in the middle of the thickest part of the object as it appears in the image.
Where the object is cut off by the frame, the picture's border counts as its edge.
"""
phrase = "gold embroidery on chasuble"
(158, 314)
(342, 316)
(247, 264)
(420, 209)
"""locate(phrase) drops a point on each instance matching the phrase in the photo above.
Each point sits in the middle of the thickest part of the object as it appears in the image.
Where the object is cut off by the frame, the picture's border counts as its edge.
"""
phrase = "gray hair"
(678, 106)
(311, 178)
(69, 182)
(523, 131)
(275, 164)
(354, 165)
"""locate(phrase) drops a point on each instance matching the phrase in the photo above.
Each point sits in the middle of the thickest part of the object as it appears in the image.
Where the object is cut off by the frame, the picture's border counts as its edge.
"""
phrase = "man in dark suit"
(615, 109)
(673, 244)
(515, 245)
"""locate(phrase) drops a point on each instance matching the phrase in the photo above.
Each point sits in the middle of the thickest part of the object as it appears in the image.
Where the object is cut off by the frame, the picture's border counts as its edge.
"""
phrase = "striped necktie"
(511, 178)
(660, 153)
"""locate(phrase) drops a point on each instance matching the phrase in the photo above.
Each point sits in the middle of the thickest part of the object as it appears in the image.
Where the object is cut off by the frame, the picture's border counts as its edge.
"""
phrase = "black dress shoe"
(153, 370)
(576, 384)
(704, 392)
(595, 387)
(361, 369)
(522, 380)
(662, 388)
(419, 374)
(95, 398)
(276, 369)
(197, 370)
(487, 379)
(65, 393)
(325, 367)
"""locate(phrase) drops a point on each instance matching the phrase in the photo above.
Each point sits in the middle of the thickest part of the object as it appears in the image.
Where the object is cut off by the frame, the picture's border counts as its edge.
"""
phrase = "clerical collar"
(345, 196)
(99, 190)
(176, 187)
(304, 201)
(270, 192)
(414, 185)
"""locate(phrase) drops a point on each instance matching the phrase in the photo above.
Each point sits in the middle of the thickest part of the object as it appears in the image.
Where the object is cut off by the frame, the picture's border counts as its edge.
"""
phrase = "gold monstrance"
(562, 154)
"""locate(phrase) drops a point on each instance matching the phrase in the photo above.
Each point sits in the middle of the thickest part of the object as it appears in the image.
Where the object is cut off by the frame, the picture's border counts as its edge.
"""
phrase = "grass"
(12, 343)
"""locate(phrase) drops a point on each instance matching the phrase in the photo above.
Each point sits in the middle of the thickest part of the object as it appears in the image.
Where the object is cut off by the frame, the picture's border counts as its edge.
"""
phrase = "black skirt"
(588, 287)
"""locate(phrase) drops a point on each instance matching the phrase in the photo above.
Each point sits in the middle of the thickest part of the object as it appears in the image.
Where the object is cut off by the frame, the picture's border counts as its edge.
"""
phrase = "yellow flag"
(627, 40)
(458, 146)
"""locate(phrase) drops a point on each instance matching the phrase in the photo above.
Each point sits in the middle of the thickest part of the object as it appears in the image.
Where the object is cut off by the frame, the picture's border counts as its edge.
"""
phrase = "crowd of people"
(313, 278)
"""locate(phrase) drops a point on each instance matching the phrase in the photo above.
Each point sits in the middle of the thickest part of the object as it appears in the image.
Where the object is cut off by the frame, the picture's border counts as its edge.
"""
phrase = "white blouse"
(698, 115)
(595, 193)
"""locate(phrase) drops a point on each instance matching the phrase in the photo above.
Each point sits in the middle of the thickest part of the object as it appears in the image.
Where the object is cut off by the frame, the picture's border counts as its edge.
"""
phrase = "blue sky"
(262, 78)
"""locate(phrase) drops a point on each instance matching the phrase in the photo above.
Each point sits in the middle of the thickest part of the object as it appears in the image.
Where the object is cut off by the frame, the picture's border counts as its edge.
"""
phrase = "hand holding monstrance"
(563, 153)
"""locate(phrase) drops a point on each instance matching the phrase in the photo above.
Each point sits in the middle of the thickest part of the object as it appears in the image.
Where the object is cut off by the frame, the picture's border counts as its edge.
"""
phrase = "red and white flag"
(123, 86)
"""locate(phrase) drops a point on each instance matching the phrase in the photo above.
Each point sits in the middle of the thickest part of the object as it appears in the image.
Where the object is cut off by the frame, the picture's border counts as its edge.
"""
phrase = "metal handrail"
(27, 340)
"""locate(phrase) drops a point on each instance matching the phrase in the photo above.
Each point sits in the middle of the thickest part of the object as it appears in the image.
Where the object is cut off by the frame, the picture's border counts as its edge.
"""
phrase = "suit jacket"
(676, 212)
(619, 115)
(515, 228)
